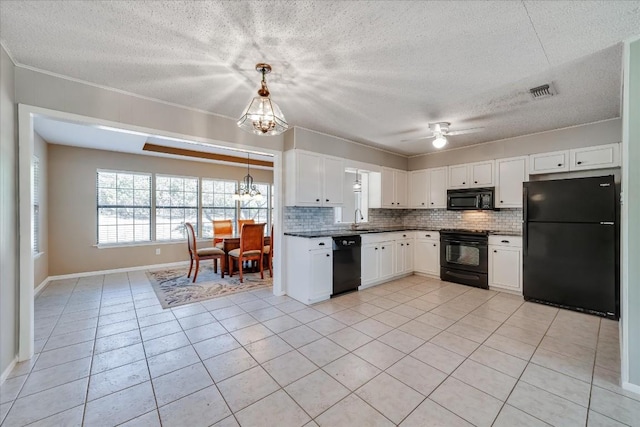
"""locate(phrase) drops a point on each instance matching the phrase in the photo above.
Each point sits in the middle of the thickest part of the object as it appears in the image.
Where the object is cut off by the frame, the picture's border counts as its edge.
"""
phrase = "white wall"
(630, 222)
(599, 133)
(41, 263)
(8, 214)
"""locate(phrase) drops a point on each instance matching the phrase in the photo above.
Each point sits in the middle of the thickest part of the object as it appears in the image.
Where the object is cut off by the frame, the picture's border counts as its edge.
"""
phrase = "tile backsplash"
(309, 219)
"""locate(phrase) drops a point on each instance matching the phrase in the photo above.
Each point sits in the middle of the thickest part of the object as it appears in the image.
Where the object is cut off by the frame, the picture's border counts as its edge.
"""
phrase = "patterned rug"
(173, 288)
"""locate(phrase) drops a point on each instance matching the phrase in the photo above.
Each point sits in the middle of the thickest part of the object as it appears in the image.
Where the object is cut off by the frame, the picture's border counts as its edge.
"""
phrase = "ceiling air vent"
(544, 91)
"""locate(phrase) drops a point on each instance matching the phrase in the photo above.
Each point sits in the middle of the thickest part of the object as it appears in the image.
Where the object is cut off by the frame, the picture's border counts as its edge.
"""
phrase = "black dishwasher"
(346, 264)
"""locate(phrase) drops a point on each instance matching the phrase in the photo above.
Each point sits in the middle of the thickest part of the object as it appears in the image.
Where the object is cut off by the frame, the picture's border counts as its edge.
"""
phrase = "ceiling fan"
(440, 131)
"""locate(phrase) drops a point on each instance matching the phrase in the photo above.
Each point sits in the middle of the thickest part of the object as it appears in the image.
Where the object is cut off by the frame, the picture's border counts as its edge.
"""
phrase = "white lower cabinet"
(310, 277)
(386, 256)
(505, 263)
(385, 264)
(404, 255)
(427, 253)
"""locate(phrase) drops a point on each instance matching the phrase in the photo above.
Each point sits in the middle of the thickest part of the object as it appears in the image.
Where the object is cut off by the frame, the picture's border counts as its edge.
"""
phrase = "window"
(217, 203)
(257, 209)
(35, 226)
(176, 203)
(354, 200)
(124, 207)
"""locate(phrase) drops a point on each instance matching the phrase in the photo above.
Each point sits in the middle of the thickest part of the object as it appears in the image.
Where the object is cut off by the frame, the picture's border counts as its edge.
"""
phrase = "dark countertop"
(370, 230)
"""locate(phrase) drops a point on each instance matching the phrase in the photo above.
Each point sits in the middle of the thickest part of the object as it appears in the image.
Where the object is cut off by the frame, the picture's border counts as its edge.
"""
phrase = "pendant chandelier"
(247, 190)
(263, 116)
(357, 184)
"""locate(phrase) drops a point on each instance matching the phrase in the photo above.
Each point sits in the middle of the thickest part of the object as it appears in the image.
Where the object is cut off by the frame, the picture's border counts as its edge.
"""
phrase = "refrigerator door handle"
(525, 202)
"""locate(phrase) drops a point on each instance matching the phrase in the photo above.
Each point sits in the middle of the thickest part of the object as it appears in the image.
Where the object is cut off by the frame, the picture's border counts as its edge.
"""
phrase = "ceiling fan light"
(440, 141)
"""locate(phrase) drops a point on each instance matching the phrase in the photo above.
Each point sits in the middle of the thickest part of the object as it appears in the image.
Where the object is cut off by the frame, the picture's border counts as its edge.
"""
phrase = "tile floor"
(413, 352)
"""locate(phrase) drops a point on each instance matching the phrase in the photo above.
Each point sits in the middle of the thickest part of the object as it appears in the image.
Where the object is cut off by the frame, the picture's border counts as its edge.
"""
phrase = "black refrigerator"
(571, 244)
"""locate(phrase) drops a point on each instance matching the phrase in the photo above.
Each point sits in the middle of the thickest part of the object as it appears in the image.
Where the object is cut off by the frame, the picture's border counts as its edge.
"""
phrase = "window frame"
(35, 205)
(155, 207)
(99, 206)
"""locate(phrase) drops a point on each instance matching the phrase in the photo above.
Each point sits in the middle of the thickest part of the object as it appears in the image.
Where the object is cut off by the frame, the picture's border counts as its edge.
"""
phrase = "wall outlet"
(157, 251)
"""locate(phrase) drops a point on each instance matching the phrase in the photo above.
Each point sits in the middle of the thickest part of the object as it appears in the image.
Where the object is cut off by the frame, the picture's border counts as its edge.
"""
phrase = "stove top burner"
(465, 231)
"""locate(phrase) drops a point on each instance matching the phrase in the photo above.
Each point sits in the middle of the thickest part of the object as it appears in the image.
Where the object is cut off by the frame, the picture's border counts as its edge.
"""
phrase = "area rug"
(173, 288)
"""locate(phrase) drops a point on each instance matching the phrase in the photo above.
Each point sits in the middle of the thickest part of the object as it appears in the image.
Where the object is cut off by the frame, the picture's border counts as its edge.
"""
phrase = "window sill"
(153, 243)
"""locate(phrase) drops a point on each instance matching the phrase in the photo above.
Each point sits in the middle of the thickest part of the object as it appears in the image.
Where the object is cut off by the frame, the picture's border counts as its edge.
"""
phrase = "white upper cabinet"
(471, 175)
(549, 162)
(333, 182)
(600, 157)
(313, 180)
(428, 188)
(510, 174)
(481, 174)
(392, 188)
(458, 176)
(438, 188)
(419, 189)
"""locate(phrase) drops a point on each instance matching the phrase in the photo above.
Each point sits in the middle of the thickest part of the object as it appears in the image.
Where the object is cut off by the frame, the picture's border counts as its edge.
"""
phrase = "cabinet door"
(418, 189)
(409, 246)
(400, 259)
(321, 274)
(387, 188)
(549, 162)
(427, 256)
(481, 174)
(386, 260)
(400, 188)
(505, 268)
(603, 156)
(333, 182)
(438, 188)
(309, 182)
(458, 176)
(510, 174)
(369, 254)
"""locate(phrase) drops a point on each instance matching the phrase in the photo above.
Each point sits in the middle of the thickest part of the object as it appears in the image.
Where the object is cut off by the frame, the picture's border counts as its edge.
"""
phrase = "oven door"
(462, 201)
(460, 254)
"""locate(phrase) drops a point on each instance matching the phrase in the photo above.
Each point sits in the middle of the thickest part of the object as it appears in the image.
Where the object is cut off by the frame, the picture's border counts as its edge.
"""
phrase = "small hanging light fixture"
(263, 116)
(248, 190)
(357, 184)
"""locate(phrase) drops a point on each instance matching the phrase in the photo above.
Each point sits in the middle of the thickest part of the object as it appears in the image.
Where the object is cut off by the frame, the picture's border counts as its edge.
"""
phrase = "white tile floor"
(413, 352)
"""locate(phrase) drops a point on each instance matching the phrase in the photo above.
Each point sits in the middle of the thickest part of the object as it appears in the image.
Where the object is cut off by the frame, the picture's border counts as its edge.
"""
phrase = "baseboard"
(634, 388)
(117, 270)
(41, 286)
(7, 371)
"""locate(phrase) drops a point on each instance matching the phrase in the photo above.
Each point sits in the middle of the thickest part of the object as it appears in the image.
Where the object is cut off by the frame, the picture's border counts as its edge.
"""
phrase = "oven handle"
(463, 243)
(462, 276)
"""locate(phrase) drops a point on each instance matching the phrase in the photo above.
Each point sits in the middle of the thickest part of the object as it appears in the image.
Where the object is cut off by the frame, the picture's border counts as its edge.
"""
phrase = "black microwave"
(471, 199)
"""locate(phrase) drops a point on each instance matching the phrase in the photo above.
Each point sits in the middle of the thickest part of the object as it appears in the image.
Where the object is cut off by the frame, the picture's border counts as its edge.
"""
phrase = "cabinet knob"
(328, 255)
(422, 203)
(434, 244)
(475, 182)
(579, 163)
(401, 244)
(383, 247)
(559, 164)
(376, 249)
(501, 201)
(431, 202)
(407, 244)
(327, 200)
(495, 252)
(463, 182)
(321, 244)
(504, 241)
(427, 235)
(404, 235)
(317, 200)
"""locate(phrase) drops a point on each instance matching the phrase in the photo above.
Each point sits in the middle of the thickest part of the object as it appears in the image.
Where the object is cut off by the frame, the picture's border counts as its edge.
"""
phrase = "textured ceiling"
(374, 72)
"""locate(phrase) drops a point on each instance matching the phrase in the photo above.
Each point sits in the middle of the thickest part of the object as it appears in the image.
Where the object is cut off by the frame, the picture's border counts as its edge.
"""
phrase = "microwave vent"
(544, 91)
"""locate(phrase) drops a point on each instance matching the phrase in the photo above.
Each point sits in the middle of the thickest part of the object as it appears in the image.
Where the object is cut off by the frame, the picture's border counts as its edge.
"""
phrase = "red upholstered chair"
(202, 254)
(251, 248)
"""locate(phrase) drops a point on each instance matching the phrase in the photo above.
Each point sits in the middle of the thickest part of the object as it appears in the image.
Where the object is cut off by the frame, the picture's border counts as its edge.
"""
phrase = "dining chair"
(202, 254)
(241, 222)
(268, 252)
(251, 248)
(220, 228)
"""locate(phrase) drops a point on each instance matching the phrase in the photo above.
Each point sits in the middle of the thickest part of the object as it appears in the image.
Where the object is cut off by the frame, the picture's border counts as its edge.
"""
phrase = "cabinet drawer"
(428, 235)
(320, 243)
(512, 241)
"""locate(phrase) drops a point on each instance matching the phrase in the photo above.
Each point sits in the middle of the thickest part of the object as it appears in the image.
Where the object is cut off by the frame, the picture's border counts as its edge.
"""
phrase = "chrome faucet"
(357, 215)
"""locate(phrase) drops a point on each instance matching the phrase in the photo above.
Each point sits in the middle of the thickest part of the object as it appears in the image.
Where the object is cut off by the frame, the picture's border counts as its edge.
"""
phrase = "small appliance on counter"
(571, 244)
(346, 263)
(471, 199)
(464, 257)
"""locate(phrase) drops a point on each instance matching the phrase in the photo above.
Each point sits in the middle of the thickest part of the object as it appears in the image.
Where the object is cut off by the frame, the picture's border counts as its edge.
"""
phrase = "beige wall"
(8, 214)
(57, 93)
(305, 139)
(72, 207)
(605, 132)
(41, 263)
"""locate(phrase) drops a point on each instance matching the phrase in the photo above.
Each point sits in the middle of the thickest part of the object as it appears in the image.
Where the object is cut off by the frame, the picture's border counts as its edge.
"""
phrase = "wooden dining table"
(231, 242)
